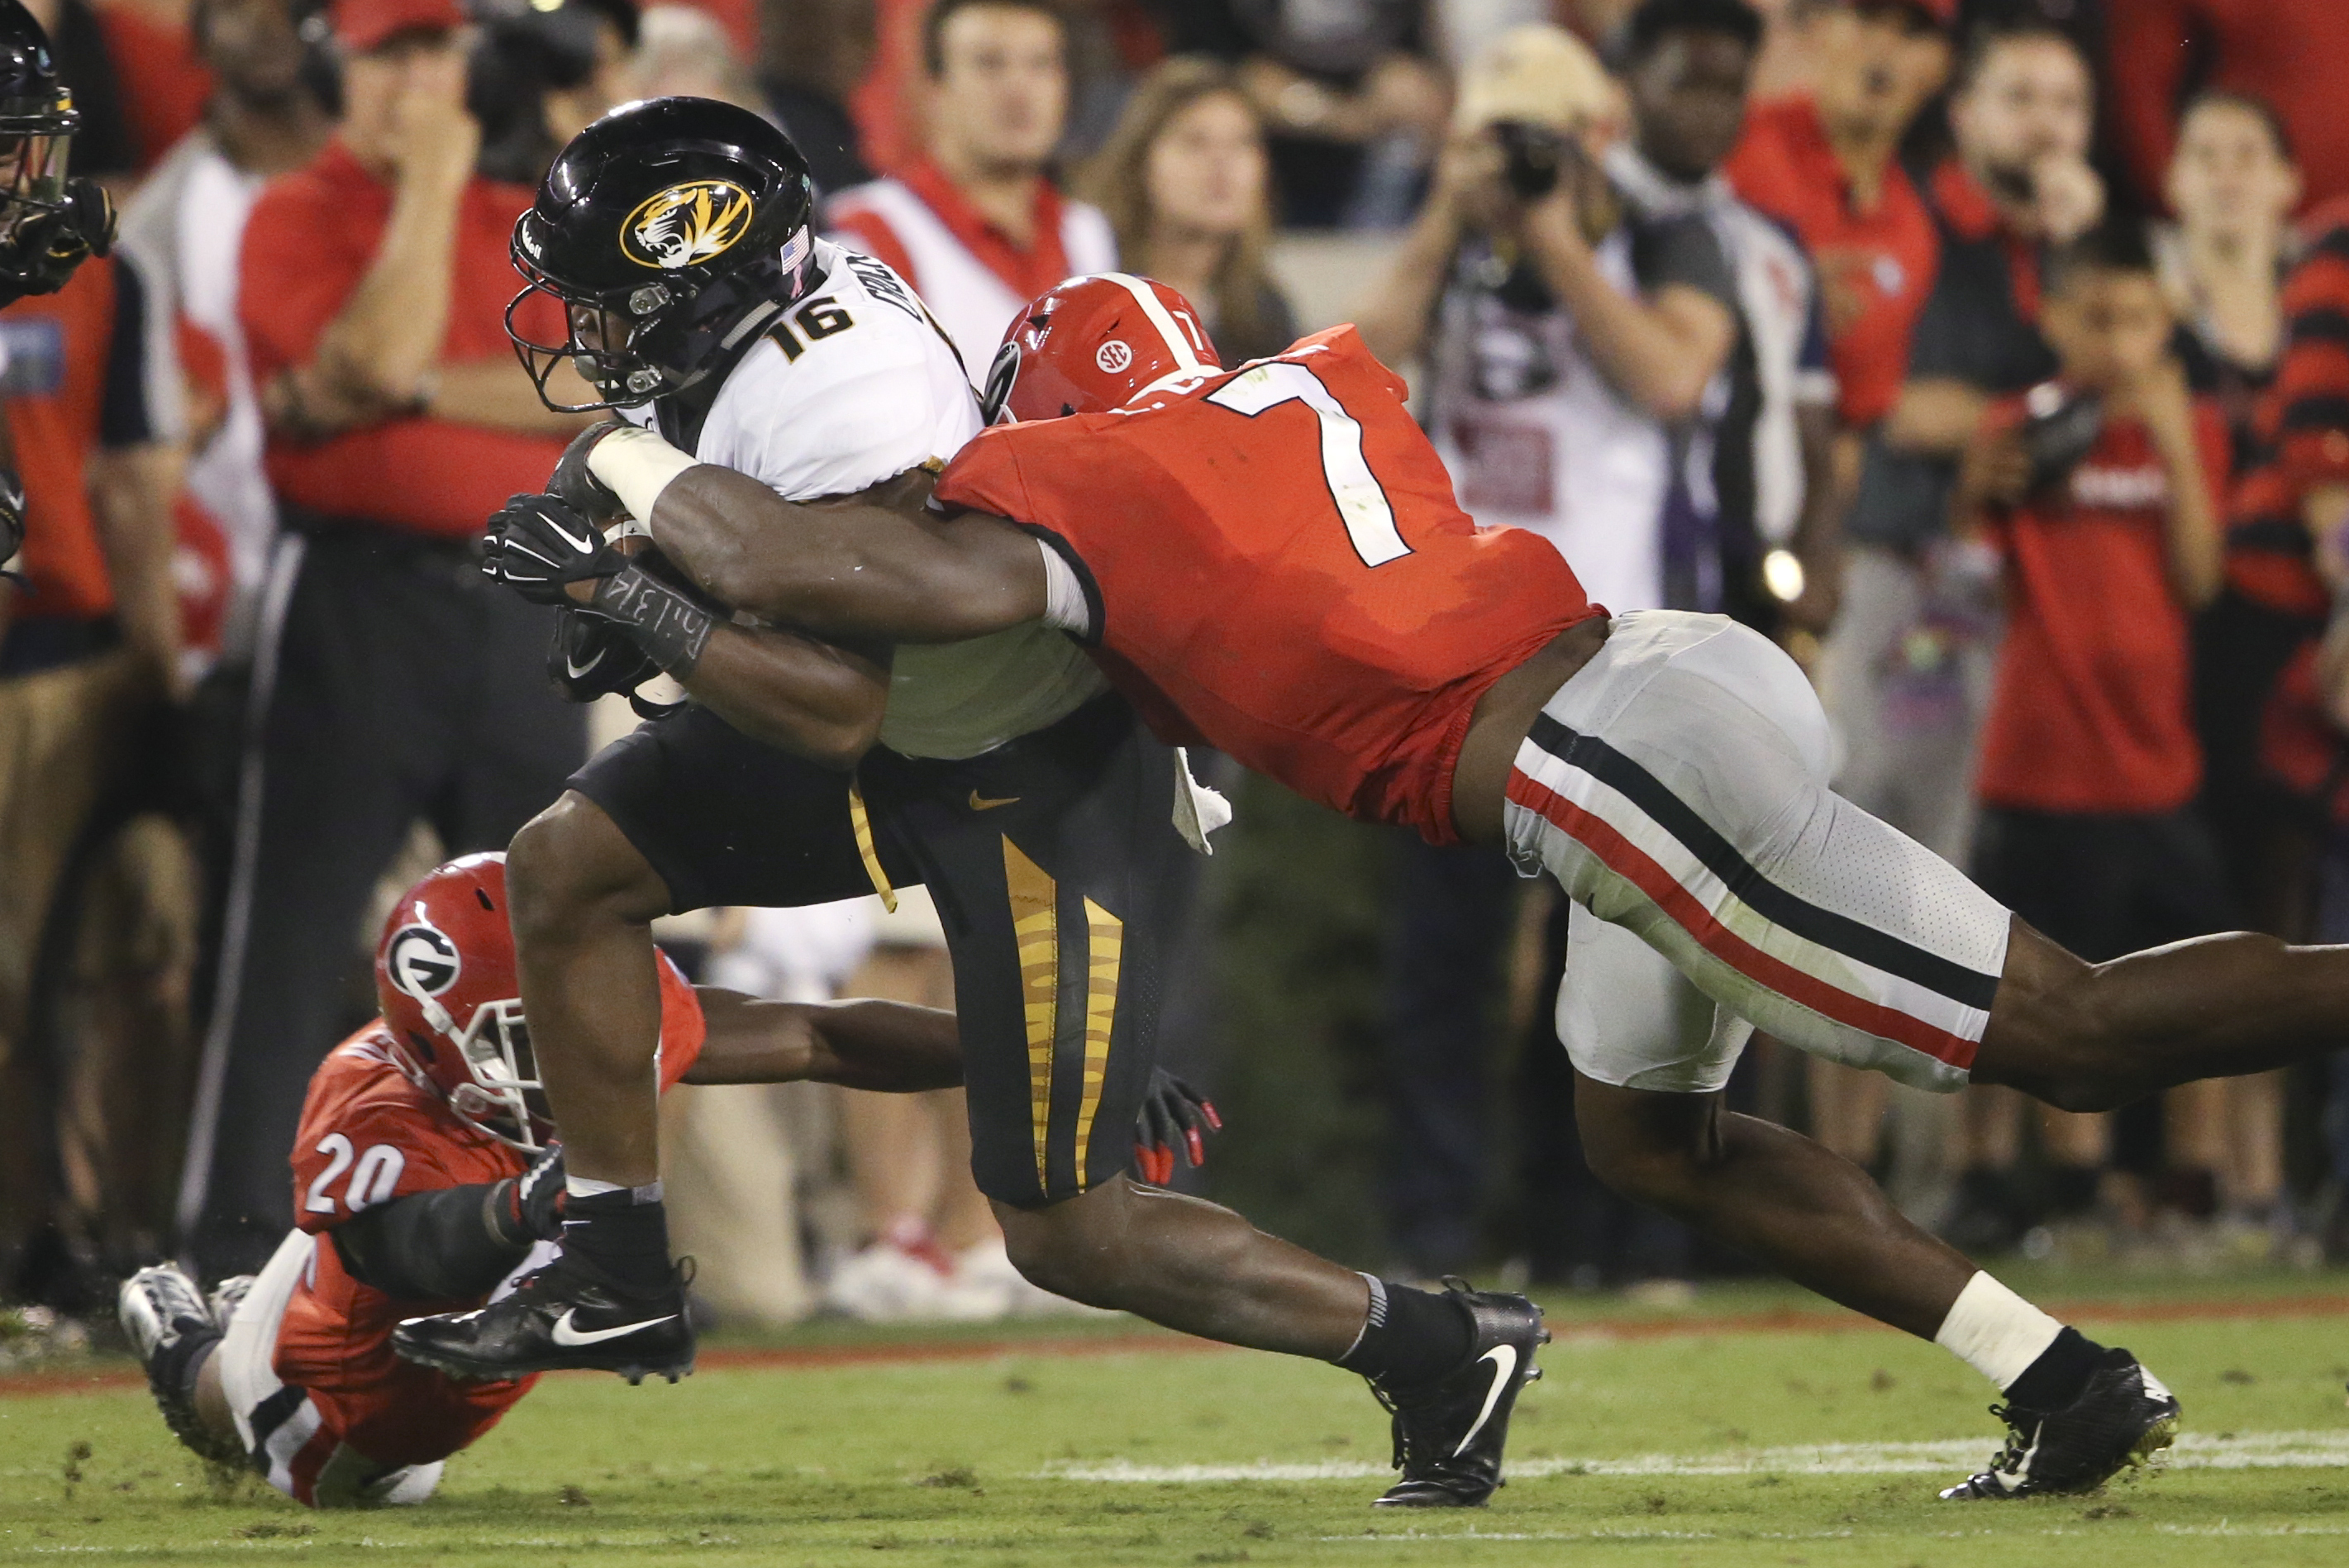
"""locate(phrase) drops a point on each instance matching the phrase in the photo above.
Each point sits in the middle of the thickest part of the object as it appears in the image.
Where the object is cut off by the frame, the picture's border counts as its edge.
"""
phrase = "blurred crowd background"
(1993, 354)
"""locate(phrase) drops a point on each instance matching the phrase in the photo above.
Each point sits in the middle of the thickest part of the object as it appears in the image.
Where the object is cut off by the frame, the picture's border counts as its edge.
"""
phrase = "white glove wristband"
(636, 465)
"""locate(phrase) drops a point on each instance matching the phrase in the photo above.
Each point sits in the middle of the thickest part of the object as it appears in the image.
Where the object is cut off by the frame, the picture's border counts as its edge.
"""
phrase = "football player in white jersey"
(1053, 831)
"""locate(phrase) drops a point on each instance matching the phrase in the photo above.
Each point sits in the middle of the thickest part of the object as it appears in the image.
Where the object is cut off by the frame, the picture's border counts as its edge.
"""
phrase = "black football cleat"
(564, 1315)
(168, 1322)
(2123, 1417)
(1448, 1434)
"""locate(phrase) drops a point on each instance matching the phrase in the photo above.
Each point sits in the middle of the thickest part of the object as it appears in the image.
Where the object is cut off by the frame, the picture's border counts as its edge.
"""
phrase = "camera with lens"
(525, 50)
(2060, 427)
(522, 51)
(1534, 156)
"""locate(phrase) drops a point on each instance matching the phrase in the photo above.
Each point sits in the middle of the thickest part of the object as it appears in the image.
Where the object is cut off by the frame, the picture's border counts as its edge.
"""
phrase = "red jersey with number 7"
(1275, 564)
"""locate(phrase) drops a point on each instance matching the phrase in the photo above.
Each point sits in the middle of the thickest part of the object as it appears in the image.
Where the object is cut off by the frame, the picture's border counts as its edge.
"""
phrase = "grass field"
(1752, 1429)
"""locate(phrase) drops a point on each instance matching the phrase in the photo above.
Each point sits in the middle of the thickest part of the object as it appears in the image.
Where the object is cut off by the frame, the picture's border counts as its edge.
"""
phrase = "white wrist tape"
(636, 465)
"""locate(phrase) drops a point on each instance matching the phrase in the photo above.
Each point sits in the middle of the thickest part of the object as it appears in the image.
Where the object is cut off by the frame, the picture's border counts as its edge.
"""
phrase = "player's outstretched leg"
(1449, 1364)
(1677, 786)
(2076, 1411)
(174, 1333)
(2091, 1037)
(584, 901)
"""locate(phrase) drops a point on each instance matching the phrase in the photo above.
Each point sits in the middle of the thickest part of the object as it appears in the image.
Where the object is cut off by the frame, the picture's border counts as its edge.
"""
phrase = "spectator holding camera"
(2102, 489)
(390, 682)
(1559, 322)
(1578, 333)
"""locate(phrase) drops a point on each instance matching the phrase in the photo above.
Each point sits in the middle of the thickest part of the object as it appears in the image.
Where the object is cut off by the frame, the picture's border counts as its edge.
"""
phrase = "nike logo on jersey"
(1503, 1358)
(981, 803)
(571, 1338)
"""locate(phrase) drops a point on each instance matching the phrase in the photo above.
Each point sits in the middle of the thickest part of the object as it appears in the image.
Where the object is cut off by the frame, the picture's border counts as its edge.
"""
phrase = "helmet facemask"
(33, 149)
(676, 330)
(503, 1097)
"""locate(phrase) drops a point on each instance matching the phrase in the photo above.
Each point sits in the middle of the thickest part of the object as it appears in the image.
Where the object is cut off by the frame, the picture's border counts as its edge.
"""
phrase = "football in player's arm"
(427, 1180)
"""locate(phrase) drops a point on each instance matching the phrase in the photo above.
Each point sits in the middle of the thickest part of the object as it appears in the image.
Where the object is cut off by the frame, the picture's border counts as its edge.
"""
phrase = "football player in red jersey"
(1270, 558)
(427, 1178)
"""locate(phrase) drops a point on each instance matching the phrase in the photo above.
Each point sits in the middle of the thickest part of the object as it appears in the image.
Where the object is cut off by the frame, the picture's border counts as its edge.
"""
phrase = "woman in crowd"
(1183, 180)
(2232, 185)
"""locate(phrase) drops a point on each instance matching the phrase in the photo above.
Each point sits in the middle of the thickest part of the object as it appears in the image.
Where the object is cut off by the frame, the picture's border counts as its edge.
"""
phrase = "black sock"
(1411, 1336)
(621, 1235)
(2061, 1372)
(174, 1370)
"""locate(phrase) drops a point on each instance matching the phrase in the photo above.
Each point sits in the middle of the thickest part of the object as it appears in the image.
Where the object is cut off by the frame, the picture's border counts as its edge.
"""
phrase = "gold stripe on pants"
(1106, 948)
(1035, 924)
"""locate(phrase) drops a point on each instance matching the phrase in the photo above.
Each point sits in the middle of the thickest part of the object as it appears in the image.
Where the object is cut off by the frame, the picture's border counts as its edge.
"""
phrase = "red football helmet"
(1093, 344)
(444, 976)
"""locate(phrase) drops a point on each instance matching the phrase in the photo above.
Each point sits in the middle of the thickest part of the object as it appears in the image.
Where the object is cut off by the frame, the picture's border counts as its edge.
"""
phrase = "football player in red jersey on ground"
(1270, 558)
(427, 1178)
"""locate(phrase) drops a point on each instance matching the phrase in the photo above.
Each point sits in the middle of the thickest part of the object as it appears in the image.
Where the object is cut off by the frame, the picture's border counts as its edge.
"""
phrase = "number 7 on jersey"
(1361, 501)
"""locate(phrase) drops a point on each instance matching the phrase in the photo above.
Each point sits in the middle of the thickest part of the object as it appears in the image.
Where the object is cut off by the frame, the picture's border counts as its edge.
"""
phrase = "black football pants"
(1056, 869)
(391, 682)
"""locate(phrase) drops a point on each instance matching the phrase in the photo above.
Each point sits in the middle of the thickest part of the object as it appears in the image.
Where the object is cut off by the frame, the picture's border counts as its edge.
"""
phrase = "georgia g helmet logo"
(423, 963)
(685, 224)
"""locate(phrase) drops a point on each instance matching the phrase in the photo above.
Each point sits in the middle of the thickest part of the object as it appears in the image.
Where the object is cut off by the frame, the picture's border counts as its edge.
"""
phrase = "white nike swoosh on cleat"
(1503, 1358)
(571, 1338)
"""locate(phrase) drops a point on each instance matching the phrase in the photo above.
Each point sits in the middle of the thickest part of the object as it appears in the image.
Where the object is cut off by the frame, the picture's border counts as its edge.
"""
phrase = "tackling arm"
(897, 1048)
(875, 564)
(886, 1045)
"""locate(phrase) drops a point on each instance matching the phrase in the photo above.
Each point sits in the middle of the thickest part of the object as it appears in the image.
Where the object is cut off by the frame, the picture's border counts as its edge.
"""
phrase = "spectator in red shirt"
(389, 683)
(977, 226)
(2288, 53)
(2103, 491)
(1826, 162)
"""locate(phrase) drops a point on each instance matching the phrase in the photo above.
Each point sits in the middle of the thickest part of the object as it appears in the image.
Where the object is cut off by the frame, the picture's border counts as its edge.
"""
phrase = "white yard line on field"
(2194, 1450)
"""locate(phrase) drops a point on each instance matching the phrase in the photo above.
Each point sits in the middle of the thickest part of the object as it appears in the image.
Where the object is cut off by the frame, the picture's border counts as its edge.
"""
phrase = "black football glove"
(529, 1206)
(43, 252)
(1174, 1115)
(11, 518)
(594, 656)
(575, 483)
(539, 545)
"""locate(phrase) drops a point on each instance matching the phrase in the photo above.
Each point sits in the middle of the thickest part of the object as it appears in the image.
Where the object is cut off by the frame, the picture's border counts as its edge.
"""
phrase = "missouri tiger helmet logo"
(685, 224)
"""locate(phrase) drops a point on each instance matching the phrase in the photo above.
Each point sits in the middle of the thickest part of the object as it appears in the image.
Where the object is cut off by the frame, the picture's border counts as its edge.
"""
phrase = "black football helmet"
(48, 225)
(677, 226)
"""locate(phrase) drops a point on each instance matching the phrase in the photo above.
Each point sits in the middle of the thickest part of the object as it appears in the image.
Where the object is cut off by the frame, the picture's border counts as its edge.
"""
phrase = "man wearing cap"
(1577, 345)
(390, 683)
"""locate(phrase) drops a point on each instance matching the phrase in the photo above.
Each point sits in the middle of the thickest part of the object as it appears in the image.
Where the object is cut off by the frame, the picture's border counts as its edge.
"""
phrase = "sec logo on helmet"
(422, 961)
(1114, 356)
(685, 224)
